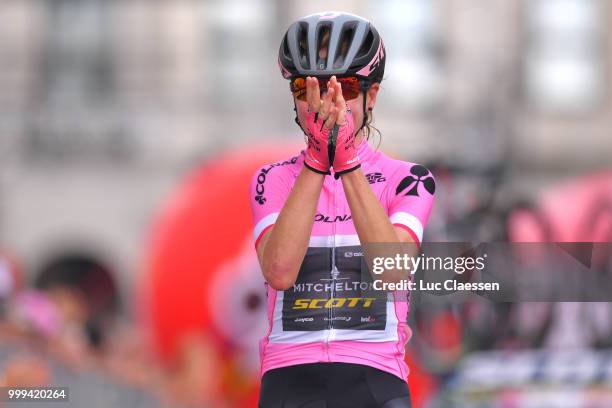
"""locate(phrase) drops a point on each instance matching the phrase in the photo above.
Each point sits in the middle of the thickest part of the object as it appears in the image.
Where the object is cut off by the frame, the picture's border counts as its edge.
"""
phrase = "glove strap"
(338, 174)
(315, 170)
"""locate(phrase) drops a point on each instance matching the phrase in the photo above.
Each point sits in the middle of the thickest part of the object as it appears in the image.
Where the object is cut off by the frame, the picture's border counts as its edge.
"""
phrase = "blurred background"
(129, 131)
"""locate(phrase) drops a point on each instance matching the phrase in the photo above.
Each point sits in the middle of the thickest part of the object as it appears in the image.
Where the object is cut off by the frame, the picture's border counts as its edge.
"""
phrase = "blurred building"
(105, 104)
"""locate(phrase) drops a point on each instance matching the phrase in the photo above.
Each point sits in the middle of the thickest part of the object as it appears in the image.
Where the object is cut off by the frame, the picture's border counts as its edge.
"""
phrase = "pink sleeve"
(410, 198)
(268, 192)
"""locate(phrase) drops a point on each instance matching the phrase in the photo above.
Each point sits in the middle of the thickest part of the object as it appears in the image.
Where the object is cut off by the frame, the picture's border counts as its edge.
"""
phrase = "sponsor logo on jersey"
(335, 284)
(376, 177)
(343, 318)
(350, 254)
(368, 319)
(352, 302)
(419, 174)
(304, 319)
(261, 179)
(338, 218)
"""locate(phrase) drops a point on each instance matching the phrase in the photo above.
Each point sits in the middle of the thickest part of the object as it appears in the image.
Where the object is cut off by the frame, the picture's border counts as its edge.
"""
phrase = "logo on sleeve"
(376, 177)
(419, 175)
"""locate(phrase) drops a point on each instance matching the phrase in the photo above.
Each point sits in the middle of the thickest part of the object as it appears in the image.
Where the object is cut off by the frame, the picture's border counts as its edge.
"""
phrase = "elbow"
(280, 277)
(280, 284)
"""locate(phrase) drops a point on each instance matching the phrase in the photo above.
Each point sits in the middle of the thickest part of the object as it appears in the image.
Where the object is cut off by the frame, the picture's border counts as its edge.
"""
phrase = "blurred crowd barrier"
(129, 130)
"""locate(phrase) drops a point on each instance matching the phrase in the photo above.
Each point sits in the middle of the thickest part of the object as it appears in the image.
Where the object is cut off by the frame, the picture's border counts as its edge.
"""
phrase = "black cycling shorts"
(332, 385)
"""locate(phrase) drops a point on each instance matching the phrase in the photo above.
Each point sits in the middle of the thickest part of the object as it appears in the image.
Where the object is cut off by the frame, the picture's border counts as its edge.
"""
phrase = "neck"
(360, 138)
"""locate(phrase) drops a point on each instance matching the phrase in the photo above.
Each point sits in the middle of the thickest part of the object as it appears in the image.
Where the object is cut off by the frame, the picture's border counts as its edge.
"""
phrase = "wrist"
(350, 175)
(313, 172)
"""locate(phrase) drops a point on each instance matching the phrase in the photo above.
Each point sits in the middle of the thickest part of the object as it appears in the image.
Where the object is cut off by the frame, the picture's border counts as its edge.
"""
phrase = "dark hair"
(369, 128)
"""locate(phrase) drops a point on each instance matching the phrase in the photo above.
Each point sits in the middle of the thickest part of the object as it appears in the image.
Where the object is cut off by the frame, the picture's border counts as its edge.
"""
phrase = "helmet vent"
(366, 46)
(286, 52)
(323, 34)
(346, 38)
(302, 39)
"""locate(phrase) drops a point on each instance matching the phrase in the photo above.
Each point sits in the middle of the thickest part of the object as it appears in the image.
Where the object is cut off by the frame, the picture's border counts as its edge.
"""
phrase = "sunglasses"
(351, 86)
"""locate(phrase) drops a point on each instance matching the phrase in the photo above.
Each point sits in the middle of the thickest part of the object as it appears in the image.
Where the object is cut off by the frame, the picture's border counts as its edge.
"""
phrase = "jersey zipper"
(333, 271)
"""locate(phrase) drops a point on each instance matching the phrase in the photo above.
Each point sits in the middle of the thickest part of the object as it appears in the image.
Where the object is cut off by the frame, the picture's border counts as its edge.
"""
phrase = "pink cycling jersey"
(353, 329)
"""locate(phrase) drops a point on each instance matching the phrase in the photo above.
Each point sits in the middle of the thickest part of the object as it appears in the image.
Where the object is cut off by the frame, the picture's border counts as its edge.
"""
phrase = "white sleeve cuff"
(264, 223)
(410, 221)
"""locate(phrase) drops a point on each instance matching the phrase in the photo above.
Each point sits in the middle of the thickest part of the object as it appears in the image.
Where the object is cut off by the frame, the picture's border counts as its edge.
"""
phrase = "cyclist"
(326, 346)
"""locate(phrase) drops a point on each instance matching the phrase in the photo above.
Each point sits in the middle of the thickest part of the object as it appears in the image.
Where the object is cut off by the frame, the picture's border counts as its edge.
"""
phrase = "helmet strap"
(297, 120)
(365, 113)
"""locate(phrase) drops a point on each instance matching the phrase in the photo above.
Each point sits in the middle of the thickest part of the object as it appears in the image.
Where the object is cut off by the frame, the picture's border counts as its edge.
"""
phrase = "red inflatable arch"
(204, 225)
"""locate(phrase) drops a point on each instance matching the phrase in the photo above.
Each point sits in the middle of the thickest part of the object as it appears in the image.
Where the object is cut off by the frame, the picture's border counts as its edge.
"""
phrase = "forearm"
(286, 246)
(371, 221)
(373, 225)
